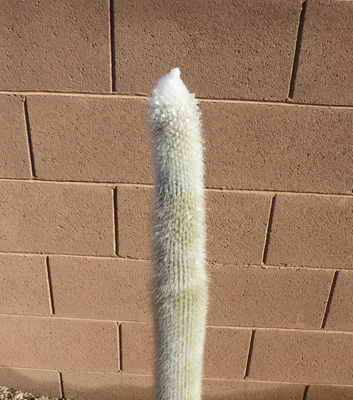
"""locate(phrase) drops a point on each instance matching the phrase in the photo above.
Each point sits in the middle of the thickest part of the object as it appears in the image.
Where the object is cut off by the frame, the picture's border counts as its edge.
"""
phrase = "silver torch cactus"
(178, 238)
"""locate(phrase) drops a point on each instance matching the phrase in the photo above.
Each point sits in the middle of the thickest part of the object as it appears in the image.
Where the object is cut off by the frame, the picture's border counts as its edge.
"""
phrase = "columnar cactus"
(178, 237)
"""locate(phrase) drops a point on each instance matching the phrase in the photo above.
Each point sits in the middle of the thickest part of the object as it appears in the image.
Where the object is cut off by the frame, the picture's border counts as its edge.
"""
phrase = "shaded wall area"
(274, 79)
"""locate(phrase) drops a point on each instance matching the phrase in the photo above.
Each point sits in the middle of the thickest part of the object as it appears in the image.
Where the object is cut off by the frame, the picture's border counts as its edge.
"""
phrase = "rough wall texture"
(275, 81)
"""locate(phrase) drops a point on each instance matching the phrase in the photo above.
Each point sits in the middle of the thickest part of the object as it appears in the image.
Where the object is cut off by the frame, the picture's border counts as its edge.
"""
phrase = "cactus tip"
(175, 73)
(170, 85)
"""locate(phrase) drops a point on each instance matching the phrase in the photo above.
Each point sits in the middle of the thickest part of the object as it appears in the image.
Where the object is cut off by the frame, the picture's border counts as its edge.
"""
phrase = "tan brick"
(285, 148)
(245, 390)
(90, 139)
(236, 225)
(302, 356)
(268, 297)
(14, 156)
(53, 343)
(227, 49)
(312, 231)
(24, 285)
(93, 385)
(101, 288)
(330, 392)
(134, 208)
(60, 46)
(37, 382)
(325, 71)
(56, 218)
(340, 312)
(137, 348)
(225, 351)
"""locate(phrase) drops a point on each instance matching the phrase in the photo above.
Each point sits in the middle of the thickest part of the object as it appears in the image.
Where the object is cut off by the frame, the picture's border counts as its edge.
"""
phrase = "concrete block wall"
(274, 79)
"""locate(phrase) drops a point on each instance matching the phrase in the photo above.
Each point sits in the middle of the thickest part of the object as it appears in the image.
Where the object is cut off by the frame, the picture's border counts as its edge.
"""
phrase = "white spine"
(180, 290)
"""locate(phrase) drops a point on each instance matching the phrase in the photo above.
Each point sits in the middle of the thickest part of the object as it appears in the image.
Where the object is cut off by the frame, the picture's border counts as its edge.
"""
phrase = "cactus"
(178, 239)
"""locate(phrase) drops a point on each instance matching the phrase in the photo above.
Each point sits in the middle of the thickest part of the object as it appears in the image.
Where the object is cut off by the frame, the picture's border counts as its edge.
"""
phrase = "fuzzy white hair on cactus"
(178, 239)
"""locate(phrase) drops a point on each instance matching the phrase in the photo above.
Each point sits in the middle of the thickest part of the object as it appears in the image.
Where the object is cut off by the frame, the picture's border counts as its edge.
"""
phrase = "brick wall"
(274, 78)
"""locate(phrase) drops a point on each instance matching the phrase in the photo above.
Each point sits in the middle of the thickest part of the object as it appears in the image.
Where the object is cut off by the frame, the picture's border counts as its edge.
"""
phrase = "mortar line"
(145, 97)
(150, 322)
(229, 100)
(112, 45)
(29, 139)
(268, 230)
(54, 182)
(248, 358)
(297, 51)
(115, 221)
(107, 95)
(62, 394)
(146, 260)
(89, 256)
(277, 192)
(272, 103)
(278, 382)
(50, 286)
(329, 299)
(259, 328)
(305, 394)
(150, 185)
(207, 379)
(120, 346)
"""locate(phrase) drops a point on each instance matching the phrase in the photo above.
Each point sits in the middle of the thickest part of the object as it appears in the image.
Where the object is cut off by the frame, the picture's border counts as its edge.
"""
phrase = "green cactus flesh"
(178, 237)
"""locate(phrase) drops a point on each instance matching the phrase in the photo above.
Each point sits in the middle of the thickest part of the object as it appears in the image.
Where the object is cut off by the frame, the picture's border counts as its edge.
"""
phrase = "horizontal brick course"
(81, 385)
(245, 390)
(302, 356)
(324, 74)
(101, 288)
(226, 351)
(340, 312)
(261, 147)
(250, 45)
(37, 382)
(278, 147)
(56, 218)
(14, 155)
(271, 297)
(23, 285)
(312, 231)
(61, 46)
(236, 224)
(330, 393)
(53, 343)
(90, 139)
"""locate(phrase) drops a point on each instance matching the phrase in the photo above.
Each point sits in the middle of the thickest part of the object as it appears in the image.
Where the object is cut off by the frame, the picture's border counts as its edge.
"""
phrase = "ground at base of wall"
(6, 393)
